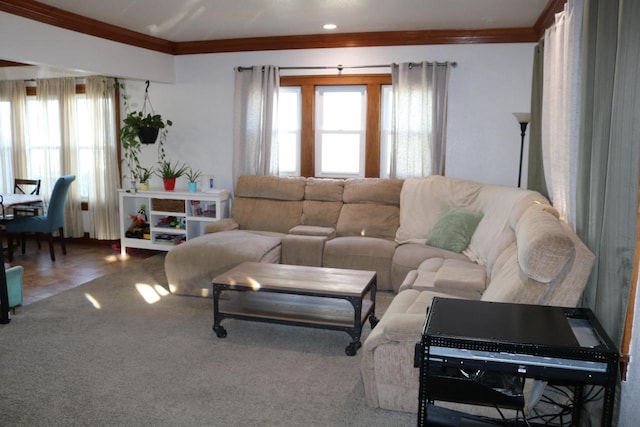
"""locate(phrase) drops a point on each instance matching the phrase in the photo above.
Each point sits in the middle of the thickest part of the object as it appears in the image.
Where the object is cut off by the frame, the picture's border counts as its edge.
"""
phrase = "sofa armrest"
(403, 327)
(310, 230)
(225, 224)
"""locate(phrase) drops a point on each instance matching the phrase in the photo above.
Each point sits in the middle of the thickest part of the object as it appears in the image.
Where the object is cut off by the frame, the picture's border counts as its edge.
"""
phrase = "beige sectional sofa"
(518, 251)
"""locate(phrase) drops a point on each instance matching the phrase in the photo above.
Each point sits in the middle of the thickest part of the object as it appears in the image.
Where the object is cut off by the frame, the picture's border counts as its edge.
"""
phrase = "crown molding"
(547, 17)
(37, 11)
(387, 38)
(4, 63)
(71, 21)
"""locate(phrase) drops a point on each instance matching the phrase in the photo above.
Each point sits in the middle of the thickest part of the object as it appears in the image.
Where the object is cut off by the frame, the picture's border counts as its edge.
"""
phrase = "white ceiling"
(195, 20)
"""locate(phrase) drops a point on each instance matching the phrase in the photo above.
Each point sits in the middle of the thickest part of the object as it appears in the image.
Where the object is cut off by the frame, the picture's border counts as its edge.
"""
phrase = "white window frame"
(320, 131)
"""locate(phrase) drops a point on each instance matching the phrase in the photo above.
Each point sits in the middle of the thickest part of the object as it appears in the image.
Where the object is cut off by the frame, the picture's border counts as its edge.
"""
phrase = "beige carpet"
(102, 354)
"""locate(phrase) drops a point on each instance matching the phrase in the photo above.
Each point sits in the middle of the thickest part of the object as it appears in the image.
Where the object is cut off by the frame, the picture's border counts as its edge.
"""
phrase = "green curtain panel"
(535, 174)
(609, 156)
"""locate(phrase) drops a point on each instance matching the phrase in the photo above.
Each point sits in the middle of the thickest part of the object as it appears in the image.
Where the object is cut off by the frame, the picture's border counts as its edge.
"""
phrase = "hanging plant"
(141, 127)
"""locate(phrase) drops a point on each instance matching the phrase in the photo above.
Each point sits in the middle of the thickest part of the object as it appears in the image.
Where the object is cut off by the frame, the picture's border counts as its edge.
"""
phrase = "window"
(43, 140)
(331, 124)
(340, 131)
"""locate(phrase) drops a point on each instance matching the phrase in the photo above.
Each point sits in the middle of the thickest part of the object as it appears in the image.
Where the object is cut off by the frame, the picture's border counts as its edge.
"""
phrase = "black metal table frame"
(354, 331)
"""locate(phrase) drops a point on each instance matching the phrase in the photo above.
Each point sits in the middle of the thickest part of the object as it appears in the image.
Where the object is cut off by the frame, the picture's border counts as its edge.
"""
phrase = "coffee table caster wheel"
(220, 331)
(352, 348)
(373, 321)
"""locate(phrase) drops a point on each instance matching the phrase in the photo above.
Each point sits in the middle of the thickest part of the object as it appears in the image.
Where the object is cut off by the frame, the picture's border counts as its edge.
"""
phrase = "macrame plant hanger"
(148, 134)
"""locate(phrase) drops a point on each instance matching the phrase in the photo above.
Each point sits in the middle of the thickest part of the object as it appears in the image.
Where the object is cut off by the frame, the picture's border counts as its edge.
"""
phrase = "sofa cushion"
(544, 248)
(189, 266)
(361, 253)
(266, 214)
(308, 230)
(410, 256)
(301, 249)
(373, 190)
(320, 213)
(324, 189)
(423, 199)
(368, 219)
(495, 232)
(270, 187)
(509, 284)
(463, 279)
(454, 229)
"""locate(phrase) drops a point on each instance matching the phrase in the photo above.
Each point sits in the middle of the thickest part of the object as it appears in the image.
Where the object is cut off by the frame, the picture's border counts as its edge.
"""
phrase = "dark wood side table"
(565, 346)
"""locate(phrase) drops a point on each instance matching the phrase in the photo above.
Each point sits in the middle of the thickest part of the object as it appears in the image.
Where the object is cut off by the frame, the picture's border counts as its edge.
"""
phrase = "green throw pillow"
(454, 229)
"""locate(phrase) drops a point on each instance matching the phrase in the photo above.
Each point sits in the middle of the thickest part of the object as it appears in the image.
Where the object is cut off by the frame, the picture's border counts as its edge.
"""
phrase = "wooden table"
(318, 297)
(8, 200)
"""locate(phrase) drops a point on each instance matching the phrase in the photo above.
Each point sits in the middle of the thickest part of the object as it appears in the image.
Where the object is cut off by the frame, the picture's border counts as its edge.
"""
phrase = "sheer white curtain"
(561, 107)
(56, 110)
(255, 149)
(419, 119)
(13, 162)
(103, 177)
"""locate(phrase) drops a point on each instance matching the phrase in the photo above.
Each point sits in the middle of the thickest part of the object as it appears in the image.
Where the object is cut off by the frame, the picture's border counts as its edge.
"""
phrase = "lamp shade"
(522, 117)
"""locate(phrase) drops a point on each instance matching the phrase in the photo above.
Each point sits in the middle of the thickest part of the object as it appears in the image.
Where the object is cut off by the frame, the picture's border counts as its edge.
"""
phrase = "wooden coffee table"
(317, 297)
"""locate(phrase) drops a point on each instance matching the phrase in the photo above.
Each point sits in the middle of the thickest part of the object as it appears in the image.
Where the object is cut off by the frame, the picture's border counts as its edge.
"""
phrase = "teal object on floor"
(14, 285)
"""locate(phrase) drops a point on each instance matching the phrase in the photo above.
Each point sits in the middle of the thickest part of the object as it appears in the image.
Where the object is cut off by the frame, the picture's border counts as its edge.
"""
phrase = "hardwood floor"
(85, 260)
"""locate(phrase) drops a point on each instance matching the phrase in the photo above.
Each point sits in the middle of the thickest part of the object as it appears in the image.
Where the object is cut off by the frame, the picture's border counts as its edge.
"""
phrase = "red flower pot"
(169, 183)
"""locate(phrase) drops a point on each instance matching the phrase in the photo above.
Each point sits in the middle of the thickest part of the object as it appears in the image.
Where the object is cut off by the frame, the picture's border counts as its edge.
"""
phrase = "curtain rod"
(346, 67)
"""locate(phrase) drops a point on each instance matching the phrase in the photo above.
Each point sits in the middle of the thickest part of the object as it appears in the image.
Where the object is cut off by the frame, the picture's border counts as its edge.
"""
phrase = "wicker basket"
(167, 205)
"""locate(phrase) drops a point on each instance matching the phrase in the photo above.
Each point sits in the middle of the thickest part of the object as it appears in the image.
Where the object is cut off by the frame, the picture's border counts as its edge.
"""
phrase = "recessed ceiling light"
(329, 26)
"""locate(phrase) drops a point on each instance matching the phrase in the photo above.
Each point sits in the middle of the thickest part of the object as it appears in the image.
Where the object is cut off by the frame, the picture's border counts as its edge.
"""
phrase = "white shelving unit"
(173, 216)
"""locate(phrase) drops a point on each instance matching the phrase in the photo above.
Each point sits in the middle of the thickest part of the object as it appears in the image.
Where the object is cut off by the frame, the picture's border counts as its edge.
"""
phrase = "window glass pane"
(289, 118)
(288, 153)
(6, 180)
(342, 110)
(340, 130)
(86, 146)
(42, 133)
(340, 153)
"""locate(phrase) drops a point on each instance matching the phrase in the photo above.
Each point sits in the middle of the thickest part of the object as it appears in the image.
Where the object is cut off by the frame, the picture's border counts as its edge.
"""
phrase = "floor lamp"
(523, 119)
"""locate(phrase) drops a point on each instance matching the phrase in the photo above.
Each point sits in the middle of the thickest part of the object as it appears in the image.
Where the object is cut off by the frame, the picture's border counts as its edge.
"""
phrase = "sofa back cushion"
(422, 201)
(268, 203)
(322, 202)
(270, 187)
(371, 208)
(500, 205)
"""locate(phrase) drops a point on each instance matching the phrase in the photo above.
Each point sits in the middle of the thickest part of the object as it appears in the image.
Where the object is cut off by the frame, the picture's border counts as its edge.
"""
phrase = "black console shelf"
(510, 342)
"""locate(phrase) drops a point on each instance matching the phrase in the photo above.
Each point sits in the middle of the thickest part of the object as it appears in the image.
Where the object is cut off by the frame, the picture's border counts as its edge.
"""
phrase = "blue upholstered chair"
(14, 285)
(52, 220)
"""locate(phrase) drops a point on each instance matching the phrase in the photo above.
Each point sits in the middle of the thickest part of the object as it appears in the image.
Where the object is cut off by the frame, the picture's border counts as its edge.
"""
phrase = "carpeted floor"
(101, 354)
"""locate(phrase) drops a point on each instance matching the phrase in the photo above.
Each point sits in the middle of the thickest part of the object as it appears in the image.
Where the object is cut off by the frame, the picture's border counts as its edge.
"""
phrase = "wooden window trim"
(33, 90)
(307, 86)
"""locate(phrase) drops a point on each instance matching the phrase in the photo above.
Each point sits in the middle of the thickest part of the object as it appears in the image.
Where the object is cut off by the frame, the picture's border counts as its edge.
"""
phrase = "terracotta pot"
(169, 183)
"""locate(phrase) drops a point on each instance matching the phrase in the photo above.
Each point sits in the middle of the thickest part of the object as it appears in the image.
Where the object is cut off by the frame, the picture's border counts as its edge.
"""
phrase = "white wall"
(490, 83)
(196, 91)
(23, 40)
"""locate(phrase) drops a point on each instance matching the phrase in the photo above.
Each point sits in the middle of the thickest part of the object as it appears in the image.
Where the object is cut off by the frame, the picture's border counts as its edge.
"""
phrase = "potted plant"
(193, 176)
(144, 174)
(145, 127)
(169, 172)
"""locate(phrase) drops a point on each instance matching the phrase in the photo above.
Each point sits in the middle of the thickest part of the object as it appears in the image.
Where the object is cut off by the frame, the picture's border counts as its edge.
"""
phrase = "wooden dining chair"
(27, 186)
